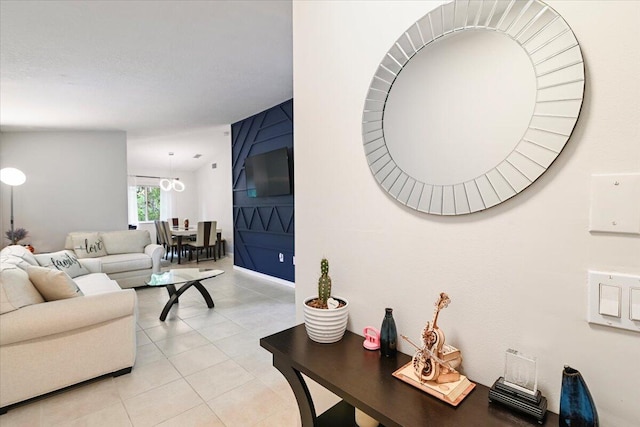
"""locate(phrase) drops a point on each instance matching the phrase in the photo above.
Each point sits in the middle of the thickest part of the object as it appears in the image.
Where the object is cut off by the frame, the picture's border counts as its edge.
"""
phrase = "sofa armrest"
(156, 252)
(94, 265)
(55, 317)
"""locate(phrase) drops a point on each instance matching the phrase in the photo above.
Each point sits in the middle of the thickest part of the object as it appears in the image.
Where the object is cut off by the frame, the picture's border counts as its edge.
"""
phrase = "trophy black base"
(534, 405)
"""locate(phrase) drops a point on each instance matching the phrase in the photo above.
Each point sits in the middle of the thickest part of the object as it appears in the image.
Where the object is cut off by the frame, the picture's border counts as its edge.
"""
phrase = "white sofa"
(126, 256)
(49, 345)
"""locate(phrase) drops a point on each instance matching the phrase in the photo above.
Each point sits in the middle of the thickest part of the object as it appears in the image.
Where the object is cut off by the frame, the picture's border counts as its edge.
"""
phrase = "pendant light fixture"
(167, 184)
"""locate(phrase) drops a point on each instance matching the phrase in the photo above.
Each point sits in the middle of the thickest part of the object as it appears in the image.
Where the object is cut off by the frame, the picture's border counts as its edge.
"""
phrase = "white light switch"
(615, 203)
(614, 300)
(634, 307)
(609, 300)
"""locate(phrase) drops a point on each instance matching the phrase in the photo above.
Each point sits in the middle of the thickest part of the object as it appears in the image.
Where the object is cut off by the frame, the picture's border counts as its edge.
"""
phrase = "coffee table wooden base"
(175, 294)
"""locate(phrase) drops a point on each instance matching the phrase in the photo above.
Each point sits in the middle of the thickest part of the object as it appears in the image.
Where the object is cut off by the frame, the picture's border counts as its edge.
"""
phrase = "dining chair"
(170, 242)
(206, 239)
(160, 234)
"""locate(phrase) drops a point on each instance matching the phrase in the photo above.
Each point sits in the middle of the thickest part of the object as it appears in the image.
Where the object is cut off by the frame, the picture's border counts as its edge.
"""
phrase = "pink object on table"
(371, 338)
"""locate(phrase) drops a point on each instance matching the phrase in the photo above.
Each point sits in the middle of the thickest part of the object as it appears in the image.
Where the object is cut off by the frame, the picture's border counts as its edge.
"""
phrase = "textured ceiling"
(172, 74)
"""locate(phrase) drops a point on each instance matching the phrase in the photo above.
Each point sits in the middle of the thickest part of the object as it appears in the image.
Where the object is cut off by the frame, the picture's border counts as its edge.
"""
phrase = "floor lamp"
(12, 177)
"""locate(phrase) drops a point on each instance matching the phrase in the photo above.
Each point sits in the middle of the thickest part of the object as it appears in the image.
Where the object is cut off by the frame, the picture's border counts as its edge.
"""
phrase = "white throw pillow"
(64, 261)
(88, 245)
(53, 285)
(15, 261)
(20, 252)
(125, 241)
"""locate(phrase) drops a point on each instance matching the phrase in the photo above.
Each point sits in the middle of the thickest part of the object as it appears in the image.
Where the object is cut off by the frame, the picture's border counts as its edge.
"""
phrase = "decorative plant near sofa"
(325, 316)
(16, 235)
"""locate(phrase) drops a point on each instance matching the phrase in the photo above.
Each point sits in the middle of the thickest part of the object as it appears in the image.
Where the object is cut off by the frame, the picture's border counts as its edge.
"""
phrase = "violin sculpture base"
(448, 377)
(452, 392)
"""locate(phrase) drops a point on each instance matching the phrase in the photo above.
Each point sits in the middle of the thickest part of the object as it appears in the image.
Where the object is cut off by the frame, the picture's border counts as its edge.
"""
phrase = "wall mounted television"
(268, 174)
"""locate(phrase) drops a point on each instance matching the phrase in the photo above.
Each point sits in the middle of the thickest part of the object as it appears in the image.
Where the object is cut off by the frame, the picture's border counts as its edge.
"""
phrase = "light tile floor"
(201, 367)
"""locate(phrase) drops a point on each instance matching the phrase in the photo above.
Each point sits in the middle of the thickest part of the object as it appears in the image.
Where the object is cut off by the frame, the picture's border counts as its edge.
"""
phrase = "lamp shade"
(177, 185)
(12, 176)
(165, 184)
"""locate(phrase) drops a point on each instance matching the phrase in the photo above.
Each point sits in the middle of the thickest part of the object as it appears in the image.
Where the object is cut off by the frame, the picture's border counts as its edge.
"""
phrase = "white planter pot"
(323, 325)
(364, 420)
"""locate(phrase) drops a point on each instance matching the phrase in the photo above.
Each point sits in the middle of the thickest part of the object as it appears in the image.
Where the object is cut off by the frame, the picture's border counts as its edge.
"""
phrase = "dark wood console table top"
(363, 379)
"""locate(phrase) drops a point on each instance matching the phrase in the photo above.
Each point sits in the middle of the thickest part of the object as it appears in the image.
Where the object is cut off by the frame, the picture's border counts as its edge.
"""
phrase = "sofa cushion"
(125, 262)
(52, 284)
(19, 252)
(64, 261)
(88, 245)
(125, 241)
(96, 283)
(16, 290)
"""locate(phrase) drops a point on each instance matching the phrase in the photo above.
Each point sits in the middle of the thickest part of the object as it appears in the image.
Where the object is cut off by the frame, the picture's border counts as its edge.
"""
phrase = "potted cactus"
(325, 315)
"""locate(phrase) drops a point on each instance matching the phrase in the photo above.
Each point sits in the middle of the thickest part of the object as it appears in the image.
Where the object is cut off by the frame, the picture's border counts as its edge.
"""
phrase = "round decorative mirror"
(472, 104)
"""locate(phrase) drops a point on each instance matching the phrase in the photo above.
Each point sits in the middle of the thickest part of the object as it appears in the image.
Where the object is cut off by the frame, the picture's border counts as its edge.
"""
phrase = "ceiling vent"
(214, 165)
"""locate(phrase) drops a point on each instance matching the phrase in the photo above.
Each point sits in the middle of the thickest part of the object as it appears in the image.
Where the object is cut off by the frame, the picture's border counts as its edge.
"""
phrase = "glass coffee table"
(187, 277)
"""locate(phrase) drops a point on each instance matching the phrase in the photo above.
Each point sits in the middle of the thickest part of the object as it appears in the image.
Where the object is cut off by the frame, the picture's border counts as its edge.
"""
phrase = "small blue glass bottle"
(388, 335)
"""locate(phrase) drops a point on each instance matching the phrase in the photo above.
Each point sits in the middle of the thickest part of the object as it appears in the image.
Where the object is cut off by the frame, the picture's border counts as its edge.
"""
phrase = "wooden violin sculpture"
(435, 360)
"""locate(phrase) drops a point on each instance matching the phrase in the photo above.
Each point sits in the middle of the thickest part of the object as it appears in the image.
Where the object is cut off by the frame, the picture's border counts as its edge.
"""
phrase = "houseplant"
(16, 235)
(325, 316)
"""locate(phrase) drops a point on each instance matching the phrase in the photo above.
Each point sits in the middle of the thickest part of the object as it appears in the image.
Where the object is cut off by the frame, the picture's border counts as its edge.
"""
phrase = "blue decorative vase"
(388, 335)
(576, 405)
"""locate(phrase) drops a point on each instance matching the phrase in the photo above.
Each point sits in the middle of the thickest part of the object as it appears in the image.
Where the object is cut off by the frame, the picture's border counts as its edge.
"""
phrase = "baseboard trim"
(265, 276)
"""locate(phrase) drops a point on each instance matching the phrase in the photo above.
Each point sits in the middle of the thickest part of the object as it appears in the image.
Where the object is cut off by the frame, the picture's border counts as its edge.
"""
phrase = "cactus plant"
(325, 315)
(324, 283)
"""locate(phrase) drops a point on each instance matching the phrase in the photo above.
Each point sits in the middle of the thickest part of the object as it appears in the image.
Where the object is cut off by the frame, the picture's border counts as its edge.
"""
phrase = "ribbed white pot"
(364, 420)
(323, 325)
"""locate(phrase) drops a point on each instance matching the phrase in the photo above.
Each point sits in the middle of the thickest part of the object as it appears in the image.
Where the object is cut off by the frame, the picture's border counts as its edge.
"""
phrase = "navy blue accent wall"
(263, 227)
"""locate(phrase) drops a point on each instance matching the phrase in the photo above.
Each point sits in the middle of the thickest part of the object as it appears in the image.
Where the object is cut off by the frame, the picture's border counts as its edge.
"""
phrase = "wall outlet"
(281, 257)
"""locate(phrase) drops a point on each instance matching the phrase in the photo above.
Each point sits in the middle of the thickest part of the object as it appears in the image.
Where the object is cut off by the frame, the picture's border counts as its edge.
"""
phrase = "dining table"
(180, 232)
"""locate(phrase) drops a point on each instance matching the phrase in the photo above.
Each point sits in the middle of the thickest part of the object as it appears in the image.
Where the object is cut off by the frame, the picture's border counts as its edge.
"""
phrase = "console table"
(363, 379)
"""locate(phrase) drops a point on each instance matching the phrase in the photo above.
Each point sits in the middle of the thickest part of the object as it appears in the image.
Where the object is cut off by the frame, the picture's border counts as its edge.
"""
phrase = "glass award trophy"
(520, 371)
(518, 388)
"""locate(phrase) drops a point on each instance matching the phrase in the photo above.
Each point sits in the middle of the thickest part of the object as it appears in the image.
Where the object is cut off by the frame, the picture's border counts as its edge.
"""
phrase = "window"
(148, 199)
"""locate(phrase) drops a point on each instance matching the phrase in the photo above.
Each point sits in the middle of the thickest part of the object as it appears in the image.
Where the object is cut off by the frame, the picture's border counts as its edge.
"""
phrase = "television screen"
(268, 174)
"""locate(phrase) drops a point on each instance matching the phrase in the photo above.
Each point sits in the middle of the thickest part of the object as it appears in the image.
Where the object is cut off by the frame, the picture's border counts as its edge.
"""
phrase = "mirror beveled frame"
(558, 65)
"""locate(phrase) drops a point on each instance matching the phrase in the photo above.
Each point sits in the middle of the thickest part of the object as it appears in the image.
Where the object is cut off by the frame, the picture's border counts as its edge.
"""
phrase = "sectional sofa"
(56, 331)
(126, 256)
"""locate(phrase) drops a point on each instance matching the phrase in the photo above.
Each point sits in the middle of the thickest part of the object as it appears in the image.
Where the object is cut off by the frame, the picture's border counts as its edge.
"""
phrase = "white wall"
(517, 272)
(215, 201)
(75, 181)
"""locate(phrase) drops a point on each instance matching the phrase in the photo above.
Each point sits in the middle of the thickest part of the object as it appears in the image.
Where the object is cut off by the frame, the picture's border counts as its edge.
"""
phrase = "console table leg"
(300, 390)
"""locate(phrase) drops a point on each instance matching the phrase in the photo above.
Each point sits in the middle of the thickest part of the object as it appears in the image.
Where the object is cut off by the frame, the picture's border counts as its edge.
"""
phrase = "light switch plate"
(610, 300)
(609, 303)
(634, 304)
(615, 203)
